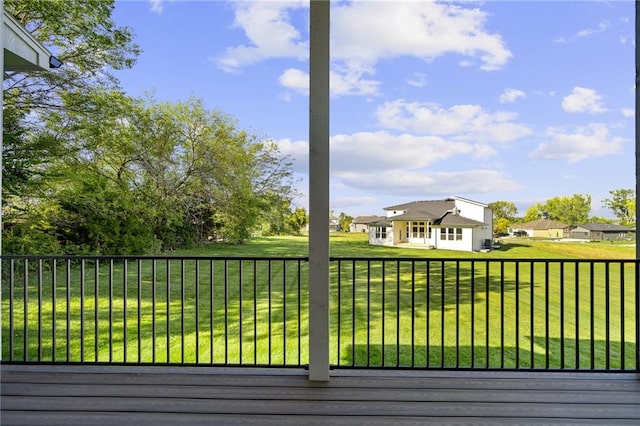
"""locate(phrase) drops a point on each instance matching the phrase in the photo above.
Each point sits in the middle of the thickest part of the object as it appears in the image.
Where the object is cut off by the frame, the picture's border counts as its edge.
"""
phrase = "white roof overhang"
(22, 52)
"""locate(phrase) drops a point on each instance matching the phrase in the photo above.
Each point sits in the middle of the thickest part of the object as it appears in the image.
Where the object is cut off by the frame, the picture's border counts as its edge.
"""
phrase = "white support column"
(319, 191)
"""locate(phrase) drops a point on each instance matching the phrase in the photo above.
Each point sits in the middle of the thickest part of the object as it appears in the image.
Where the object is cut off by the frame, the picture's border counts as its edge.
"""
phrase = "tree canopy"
(623, 205)
(89, 169)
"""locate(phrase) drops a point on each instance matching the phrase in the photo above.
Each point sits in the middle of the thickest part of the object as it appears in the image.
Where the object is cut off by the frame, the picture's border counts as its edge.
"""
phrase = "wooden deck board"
(45, 394)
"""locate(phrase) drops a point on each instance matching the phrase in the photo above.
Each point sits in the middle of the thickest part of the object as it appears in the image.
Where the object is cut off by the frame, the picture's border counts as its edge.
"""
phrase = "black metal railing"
(578, 315)
(154, 310)
(546, 314)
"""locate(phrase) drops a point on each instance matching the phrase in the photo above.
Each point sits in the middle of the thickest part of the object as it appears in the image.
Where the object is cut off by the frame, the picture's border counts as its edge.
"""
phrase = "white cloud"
(417, 79)
(628, 112)
(156, 6)
(410, 183)
(269, 30)
(461, 122)
(583, 100)
(339, 84)
(295, 80)
(385, 151)
(298, 151)
(585, 142)
(602, 27)
(511, 95)
(365, 33)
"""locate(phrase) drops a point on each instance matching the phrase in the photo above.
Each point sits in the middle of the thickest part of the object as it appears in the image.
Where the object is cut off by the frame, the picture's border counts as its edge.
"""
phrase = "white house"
(451, 224)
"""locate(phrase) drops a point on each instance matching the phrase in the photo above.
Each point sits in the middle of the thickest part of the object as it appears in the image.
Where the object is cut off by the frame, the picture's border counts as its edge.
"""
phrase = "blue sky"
(495, 100)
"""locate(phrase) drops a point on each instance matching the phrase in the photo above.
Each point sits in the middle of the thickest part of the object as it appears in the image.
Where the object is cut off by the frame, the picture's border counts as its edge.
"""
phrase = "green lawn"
(228, 312)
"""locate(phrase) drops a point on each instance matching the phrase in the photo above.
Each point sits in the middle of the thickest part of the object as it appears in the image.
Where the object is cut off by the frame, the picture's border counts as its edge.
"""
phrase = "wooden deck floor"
(71, 395)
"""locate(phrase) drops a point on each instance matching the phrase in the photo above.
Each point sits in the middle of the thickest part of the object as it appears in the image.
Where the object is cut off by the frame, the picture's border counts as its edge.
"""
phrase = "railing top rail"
(306, 258)
(150, 257)
(480, 259)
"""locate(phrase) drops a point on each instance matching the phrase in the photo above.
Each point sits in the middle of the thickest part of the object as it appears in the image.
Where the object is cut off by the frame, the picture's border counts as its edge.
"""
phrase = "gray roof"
(606, 227)
(451, 219)
(539, 224)
(366, 219)
(430, 209)
(423, 210)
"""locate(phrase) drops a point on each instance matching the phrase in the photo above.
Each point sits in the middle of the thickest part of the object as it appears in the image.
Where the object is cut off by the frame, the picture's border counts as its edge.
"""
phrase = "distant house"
(599, 232)
(361, 223)
(334, 223)
(541, 228)
(450, 224)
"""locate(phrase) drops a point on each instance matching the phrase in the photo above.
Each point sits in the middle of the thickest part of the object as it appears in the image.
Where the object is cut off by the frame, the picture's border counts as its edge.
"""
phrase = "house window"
(451, 234)
(381, 232)
(418, 230)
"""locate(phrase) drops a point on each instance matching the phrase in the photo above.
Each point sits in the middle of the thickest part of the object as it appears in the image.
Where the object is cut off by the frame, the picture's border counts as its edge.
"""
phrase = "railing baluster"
(562, 323)
(12, 297)
(25, 312)
(255, 313)
(240, 310)
(68, 308)
(182, 317)
(226, 312)
(211, 312)
(473, 316)
(339, 309)
(299, 312)
(153, 309)
(442, 328)
(269, 313)
(82, 272)
(125, 291)
(110, 310)
(96, 302)
(546, 314)
(486, 314)
(368, 313)
(397, 313)
(502, 314)
(607, 316)
(577, 302)
(457, 313)
(40, 320)
(517, 314)
(531, 316)
(623, 343)
(353, 312)
(428, 312)
(284, 313)
(383, 309)
(139, 281)
(547, 349)
(413, 312)
(54, 285)
(168, 308)
(592, 313)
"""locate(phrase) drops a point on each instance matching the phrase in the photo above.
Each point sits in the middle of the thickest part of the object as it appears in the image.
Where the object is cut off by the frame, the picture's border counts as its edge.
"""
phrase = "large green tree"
(193, 171)
(504, 213)
(503, 210)
(83, 35)
(623, 205)
(570, 210)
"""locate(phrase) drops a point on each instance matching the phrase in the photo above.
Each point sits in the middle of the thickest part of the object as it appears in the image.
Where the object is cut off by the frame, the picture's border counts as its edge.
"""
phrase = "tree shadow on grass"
(559, 356)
